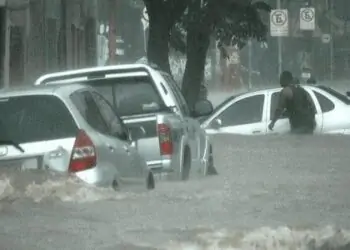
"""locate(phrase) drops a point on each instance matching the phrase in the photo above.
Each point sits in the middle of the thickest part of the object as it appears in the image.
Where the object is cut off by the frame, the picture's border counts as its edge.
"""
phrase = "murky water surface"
(271, 193)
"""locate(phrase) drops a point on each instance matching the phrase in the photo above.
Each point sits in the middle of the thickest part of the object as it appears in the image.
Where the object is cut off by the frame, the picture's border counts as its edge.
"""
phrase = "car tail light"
(83, 153)
(165, 140)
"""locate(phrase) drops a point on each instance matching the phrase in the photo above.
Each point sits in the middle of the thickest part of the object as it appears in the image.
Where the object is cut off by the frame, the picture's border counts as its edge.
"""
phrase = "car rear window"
(335, 94)
(131, 95)
(35, 118)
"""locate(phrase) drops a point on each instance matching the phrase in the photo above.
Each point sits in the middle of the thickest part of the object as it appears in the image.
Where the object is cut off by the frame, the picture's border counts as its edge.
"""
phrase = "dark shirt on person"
(300, 109)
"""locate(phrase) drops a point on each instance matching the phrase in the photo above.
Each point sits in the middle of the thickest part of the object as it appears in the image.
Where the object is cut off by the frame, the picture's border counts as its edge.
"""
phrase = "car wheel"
(150, 181)
(211, 170)
(186, 165)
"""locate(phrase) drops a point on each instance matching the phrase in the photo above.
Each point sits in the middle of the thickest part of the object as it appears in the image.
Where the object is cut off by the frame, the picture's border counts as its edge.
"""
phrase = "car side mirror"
(202, 108)
(216, 123)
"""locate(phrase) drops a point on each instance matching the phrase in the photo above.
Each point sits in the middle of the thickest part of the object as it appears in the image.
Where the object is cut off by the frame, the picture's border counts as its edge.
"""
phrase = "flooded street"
(271, 193)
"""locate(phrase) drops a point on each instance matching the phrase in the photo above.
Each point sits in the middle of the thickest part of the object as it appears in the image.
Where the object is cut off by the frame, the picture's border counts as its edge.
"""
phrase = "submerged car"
(70, 129)
(250, 113)
(173, 142)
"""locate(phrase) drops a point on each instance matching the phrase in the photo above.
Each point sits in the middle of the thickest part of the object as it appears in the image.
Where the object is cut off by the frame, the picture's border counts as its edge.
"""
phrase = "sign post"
(279, 27)
(250, 63)
(307, 19)
(279, 23)
(307, 26)
(145, 24)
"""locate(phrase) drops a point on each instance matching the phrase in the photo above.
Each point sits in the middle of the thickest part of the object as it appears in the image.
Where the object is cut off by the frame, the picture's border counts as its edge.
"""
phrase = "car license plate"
(30, 164)
(19, 164)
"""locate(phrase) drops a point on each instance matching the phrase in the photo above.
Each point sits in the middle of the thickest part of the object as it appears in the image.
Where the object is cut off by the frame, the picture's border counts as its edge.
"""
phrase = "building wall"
(48, 36)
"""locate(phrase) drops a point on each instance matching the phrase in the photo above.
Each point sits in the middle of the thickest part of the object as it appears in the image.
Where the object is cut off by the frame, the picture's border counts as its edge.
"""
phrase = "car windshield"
(336, 94)
(35, 118)
(130, 96)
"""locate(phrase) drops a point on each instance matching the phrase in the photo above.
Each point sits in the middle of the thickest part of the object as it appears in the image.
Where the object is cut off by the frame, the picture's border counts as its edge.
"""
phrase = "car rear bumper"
(93, 176)
(163, 165)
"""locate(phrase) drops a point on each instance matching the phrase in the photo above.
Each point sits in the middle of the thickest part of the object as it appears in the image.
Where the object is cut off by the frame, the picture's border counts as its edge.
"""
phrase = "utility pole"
(307, 17)
(279, 43)
(330, 6)
(250, 63)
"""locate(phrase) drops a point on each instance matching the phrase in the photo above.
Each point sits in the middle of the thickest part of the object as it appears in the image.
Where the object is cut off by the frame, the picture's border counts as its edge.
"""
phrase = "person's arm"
(285, 95)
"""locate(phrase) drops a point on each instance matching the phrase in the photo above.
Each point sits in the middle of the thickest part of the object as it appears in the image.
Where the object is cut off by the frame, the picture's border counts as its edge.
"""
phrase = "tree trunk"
(198, 42)
(158, 34)
(157, 45)
(162, 17)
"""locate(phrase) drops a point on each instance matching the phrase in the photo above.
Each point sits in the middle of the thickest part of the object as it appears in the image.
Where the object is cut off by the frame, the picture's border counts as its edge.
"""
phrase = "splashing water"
(272, 193)
(282, 238)
(67, 189)
(6, 189)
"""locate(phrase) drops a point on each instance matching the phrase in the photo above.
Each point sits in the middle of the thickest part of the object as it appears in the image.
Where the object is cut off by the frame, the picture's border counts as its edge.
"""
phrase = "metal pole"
(144, 40)
(7, 50)
(279, 42)
(331, 45)
(250, 63)
(97, 17)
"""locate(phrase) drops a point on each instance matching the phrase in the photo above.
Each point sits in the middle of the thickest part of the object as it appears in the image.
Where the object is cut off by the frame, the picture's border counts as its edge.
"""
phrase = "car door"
(196, 138)
(245, 115)
(119, 135)
(282, 125)
(110, 150)
(330, 121)
(318, 109)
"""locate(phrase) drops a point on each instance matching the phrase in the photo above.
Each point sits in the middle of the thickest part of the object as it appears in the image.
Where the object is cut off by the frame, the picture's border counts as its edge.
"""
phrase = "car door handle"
(110, 147)
(256, 131)
(127, 149)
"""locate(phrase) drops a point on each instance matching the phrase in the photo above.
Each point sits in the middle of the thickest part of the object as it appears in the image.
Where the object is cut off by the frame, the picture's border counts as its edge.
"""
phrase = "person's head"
(286, 78)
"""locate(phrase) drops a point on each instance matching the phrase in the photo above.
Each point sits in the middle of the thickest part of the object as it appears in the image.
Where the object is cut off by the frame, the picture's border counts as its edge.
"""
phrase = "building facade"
(41, 36)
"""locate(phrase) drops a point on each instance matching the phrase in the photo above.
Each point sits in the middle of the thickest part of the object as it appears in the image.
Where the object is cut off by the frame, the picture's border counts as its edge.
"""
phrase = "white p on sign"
(279, 25)
(307, 18)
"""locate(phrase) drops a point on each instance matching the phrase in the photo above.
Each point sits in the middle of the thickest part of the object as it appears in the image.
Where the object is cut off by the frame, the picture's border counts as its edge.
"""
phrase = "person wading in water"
(296, 101)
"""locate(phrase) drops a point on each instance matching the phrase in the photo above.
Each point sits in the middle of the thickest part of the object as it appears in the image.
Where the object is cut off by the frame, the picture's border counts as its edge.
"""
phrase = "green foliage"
(232, 22)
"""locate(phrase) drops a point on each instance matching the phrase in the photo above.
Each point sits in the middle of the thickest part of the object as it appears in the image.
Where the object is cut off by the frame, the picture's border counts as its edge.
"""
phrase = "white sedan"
(250, 113)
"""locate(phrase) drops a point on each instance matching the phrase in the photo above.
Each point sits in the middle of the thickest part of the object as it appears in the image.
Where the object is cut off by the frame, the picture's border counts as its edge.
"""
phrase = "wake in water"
(263, 183)
(39, 186)
(283, 238)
